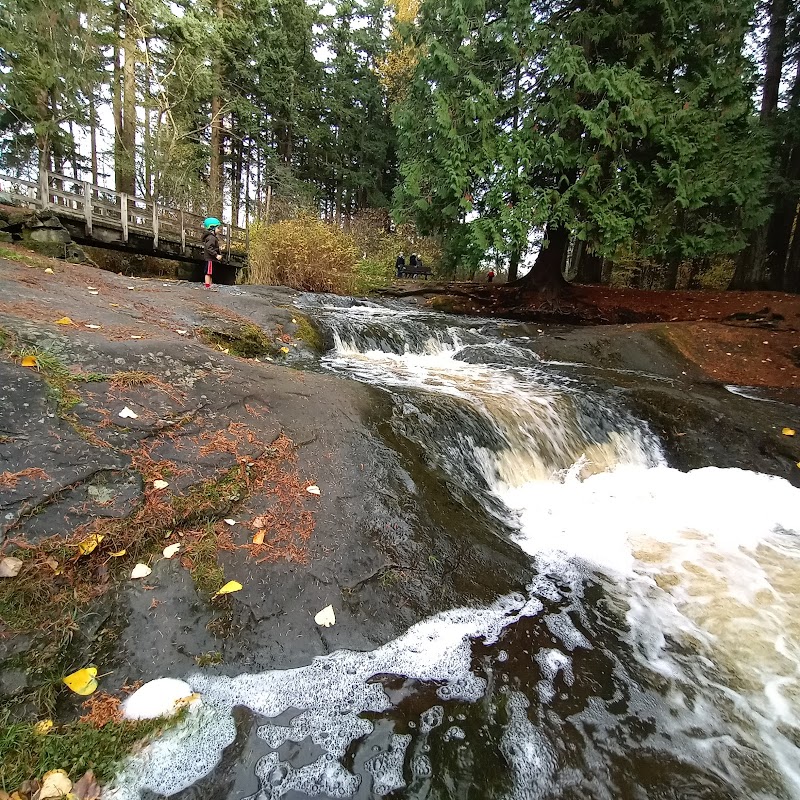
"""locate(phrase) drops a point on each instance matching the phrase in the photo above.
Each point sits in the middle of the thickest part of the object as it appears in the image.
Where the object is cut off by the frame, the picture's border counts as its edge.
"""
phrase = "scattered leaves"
(87, 788)
(326, 617)
(82, 682)
(126, 413)
(64, 321)
(140, 571)
(230, 586)
(10, 567)
(259, 537)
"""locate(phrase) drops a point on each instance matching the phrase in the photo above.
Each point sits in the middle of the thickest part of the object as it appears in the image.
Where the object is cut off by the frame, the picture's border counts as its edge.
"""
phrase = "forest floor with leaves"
(744, 338)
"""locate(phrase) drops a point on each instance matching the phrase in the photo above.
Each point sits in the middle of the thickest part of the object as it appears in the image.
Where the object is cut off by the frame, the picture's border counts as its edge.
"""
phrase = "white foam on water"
(707, 566)
(330, 693)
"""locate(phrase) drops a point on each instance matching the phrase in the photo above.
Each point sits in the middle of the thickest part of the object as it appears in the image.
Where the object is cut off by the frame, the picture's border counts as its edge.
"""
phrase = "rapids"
(656, 653)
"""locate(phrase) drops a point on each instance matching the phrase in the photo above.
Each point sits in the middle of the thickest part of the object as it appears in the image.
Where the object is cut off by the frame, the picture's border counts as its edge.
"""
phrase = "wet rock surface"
(388, 546)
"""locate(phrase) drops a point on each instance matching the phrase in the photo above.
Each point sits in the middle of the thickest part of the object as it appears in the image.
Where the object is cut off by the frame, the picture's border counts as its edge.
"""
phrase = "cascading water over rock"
(657, 650)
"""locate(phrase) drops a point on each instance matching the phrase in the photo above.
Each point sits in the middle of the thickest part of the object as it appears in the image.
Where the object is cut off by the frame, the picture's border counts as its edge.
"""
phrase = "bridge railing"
(96, 205)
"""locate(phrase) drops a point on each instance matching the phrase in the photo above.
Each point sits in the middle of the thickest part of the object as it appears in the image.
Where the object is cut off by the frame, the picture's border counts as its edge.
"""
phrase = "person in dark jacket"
(414, 262)
(211, 249)
(400, 265)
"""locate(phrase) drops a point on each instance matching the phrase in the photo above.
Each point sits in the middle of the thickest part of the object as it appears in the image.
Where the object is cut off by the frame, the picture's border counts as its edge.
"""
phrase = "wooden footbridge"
(101, 217)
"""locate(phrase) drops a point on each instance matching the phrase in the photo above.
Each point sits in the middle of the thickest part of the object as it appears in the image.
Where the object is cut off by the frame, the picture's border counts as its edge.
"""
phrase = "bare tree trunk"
(129, 102)
(215, 167)
(93, 139)
(236, 175)
(119, 170)
(776, 50)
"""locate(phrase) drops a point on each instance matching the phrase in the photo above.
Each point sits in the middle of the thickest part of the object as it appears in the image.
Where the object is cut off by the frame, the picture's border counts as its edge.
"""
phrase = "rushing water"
(656, 653)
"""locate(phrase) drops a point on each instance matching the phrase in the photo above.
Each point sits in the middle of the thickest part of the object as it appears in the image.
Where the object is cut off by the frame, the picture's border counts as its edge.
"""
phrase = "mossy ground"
(74, 747)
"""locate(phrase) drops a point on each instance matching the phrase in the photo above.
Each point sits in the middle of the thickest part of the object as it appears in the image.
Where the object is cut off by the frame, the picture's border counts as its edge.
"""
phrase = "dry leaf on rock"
(259, 537)
(29, 361)
(94, 292)
(10, 567)
(131, 288)
(89, 544)
(93, 327)
(82, 682)
(136, 337)
(181, 332)
(92, 288)
(87, 788)
(126, 413)
(49, 271)
(326, 617)
(258, 522)
(64, 321)
(171, 550)
(230, 586)
(313, 489)
(160, 484)
(230, 522)
(53, 564)
(140, 571)
(55, 784)
(788, 432)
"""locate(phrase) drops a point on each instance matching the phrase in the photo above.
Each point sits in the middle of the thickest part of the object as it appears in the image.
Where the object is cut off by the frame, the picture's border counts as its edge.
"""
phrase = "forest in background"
(654, 144)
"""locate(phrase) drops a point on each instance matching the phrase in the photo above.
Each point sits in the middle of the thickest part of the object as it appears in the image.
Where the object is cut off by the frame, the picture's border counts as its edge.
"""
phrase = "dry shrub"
(304, 253)
(307, 253)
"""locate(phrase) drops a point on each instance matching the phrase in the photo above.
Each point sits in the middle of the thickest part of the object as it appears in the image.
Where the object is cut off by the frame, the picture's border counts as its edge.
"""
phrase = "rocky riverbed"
(227, 407)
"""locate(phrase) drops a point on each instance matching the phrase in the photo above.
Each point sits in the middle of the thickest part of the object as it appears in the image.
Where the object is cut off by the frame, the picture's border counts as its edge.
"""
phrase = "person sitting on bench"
(400, 265)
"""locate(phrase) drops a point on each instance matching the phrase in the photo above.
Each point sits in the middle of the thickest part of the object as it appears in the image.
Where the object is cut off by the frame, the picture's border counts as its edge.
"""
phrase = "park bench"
(413, 272)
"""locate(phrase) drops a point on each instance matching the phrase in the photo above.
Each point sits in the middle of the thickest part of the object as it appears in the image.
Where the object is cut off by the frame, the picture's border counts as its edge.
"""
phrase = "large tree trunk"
(119, 171)
(128, 139)
(752, 269)
(216, 188)
(546, 274)
(782, 222)
(589, 265)
(776, 50)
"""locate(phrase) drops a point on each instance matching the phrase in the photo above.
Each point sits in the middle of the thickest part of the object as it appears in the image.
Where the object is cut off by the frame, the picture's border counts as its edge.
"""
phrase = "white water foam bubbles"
(705, 566)
(330, 694)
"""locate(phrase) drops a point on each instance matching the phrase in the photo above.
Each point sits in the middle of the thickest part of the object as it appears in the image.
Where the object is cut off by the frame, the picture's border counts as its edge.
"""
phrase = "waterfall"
(655, 654)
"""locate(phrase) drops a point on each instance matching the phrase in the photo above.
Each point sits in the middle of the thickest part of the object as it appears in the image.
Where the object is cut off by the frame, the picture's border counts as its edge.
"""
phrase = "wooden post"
(155, 225)
(44, 188)
(123, 208)
(183, 235)
(230, 228)
(87, 206)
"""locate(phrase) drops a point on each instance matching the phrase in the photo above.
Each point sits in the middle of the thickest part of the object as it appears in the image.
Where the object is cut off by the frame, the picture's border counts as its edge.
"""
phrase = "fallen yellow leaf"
(83, 682)
(43, 728)
(89, 544)
(55, 784)
(230, 586)
(118, 553)
(284, 350)
(64, 321)
(29, 361)
(788, 432)
(259, 538)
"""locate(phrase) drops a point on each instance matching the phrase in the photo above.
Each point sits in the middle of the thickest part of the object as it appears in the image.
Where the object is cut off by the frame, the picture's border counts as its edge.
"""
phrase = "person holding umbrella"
(210, 246)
